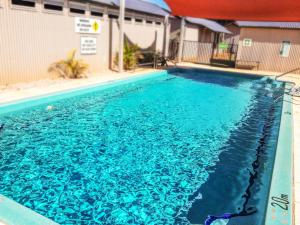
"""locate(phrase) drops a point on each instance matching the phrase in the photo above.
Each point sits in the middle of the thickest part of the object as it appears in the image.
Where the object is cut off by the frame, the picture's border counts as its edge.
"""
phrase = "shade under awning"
(254, 10)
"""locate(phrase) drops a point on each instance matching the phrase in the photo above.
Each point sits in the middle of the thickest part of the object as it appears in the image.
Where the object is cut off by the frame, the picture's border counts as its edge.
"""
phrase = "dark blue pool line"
(246, 211)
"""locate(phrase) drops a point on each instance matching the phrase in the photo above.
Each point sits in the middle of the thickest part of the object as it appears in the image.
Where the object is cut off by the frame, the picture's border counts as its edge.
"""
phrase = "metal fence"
(197, 52)
(173, 49)
(263, 56)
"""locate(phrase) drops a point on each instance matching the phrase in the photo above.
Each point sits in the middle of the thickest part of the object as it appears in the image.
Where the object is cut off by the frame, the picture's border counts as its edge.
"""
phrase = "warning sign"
(88, 45)
(87, 26)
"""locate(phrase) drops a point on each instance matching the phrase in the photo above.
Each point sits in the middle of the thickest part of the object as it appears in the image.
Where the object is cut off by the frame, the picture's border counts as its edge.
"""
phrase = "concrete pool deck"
(21, 91)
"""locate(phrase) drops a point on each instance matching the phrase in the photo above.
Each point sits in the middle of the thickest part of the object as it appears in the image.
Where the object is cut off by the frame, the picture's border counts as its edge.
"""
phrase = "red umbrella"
(255, 10)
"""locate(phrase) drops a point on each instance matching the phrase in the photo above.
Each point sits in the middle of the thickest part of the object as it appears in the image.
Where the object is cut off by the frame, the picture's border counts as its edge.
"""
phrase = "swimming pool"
(177, 147)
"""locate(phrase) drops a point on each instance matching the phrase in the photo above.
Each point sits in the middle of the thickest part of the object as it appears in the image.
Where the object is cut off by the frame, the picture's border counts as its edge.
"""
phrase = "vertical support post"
(166, 36)
(181, 38)
(121, 33)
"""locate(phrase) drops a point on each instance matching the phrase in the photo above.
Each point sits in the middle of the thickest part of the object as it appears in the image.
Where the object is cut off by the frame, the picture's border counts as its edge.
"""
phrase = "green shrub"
(131, 55)
(70, 67)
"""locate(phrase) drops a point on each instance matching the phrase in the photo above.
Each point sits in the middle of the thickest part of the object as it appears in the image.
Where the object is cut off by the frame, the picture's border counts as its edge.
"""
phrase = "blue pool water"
(178, 148)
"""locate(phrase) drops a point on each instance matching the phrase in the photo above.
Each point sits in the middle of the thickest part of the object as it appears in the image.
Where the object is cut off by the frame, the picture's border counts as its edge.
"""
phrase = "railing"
(197, 52)
(228, 52)
(285, 73)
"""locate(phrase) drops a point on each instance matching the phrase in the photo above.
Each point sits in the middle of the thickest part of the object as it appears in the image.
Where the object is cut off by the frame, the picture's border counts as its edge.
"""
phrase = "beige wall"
(234, 37)
(196, 33)
(193, 32)
(147, 37)
(266, 48)
(32, 38)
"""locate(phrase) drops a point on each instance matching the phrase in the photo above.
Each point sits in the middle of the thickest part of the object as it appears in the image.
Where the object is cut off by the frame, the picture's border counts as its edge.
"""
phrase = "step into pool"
(183, 146)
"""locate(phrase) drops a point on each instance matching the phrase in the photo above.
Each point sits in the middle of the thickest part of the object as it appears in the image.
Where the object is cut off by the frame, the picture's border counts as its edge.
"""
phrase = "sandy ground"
(20, 91)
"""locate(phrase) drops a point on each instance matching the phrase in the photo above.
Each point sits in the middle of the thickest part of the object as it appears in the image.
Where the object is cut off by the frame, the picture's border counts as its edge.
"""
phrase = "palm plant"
(131, 55)
(70, 67)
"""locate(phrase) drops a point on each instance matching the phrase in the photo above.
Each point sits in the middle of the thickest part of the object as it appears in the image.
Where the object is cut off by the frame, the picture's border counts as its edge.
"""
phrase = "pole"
(166, 36)
(121, 33)
(182, 31)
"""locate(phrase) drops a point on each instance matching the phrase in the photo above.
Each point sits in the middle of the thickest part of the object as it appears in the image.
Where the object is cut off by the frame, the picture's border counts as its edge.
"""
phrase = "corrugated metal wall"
(33, 38)
(265, 48)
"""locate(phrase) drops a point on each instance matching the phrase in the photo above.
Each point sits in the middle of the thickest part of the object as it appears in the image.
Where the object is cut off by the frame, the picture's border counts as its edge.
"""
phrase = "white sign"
(247, 42)
(285, 48)
(88, 45)
(87, 26)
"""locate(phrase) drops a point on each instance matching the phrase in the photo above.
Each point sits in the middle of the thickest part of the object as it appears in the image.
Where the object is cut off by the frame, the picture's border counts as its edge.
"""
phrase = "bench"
(247, 64)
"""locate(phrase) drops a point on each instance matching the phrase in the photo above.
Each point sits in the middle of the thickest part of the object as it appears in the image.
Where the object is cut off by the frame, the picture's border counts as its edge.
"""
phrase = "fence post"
(181, 38)
(121, 34)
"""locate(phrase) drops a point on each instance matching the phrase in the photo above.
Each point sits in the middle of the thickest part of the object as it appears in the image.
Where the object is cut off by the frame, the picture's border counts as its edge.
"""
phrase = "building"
(199, 37)
(36, 33)
(270, 46)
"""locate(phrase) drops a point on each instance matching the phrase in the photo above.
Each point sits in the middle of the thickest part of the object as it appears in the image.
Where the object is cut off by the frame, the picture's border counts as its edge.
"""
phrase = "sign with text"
(88, 45)
(87, 26)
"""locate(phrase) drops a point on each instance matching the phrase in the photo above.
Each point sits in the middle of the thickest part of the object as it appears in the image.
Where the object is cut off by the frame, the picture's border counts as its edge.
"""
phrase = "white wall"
(32, 38)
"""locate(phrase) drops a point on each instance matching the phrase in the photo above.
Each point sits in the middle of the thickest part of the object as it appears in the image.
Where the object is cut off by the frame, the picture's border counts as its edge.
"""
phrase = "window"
(77, 8)
(158, 21)
(77, 11)
(150, 20)
(97, 11)
(247, 42)
(56, 5)
(128, 16)
(27, 3)
(138, 20)
(113, 14)
(285, 49)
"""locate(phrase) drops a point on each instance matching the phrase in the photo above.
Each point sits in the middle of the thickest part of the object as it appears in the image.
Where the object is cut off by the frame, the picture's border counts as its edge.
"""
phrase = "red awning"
(254, 10)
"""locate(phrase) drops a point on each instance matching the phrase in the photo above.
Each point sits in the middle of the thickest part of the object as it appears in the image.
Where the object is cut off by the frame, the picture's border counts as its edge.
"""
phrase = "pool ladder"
(285, 73)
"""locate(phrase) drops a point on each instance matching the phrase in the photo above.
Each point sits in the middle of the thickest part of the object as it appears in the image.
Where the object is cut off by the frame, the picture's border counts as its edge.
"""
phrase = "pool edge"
(13, 213)
(281, 200)
(57, 95)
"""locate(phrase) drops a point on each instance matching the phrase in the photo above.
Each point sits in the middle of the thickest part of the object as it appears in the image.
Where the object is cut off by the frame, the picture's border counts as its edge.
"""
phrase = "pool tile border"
(13, 213)
(42, 99)
(280, 202)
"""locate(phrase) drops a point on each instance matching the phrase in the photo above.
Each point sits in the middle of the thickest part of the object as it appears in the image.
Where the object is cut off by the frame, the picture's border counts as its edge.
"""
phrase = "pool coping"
(57, 95)
(280, 207)
(13, 213)
(285, 138)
